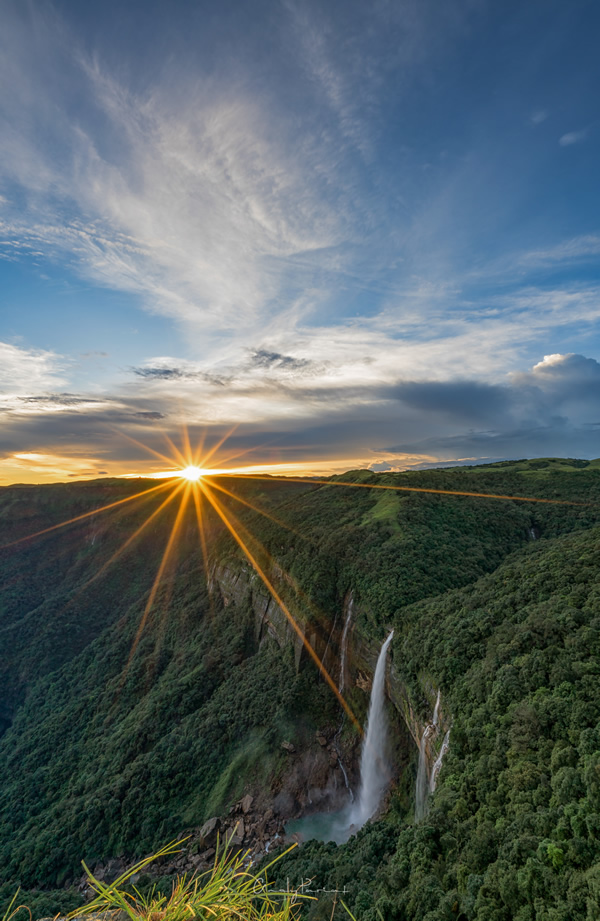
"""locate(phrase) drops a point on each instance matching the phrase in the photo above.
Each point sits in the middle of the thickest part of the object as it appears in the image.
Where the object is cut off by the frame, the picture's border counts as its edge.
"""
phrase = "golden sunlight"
(191, 473)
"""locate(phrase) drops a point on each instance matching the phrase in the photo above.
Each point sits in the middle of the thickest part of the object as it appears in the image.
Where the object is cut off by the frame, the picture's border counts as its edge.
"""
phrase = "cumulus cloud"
(537, 412)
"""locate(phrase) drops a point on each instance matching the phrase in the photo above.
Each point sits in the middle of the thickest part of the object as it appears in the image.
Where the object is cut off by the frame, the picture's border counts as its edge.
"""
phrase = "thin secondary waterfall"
(435, 770)
(346, 781)
(344, 645)
(427, 780)
(374, 768)
(436, 710)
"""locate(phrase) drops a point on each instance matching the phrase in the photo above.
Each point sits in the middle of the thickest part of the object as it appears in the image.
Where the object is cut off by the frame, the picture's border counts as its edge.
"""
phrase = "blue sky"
(365, 234)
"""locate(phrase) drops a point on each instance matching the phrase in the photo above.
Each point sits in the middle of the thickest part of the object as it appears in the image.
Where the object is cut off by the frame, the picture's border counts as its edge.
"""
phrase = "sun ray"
(158, 577)
(179, 458)
(96, 511)
(200, 519)
(196, 456)
(176, 490)
(218, 445)
(140, 444)
(275, 594)
(226, 459)
(309, 481)
(300, 591)
(255, 508)
(187, 448)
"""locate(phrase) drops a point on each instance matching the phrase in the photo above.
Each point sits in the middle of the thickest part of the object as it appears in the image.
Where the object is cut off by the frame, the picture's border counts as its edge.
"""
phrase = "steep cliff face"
(350, 658)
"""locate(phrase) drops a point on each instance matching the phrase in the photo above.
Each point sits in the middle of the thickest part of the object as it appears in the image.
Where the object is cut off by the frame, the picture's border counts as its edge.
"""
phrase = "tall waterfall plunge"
(374, 767)
(375, 772)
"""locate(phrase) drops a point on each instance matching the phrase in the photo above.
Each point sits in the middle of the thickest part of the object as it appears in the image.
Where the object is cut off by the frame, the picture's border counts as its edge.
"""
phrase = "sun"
(191, 473)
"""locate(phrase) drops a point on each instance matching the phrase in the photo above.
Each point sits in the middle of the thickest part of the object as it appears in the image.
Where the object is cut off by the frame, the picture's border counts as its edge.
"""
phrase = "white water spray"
(344, 645)
(374, 768)
(436, 710)
(435, 770)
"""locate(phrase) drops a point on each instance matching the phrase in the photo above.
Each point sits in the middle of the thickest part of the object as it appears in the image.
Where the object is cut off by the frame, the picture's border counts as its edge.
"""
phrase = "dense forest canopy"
(494, 602)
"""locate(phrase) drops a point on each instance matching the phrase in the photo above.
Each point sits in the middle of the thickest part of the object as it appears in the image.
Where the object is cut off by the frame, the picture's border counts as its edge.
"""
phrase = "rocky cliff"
(350, 658)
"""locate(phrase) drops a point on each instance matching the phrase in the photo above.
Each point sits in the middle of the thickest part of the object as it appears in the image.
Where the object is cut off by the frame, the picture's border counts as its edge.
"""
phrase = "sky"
(342, 234)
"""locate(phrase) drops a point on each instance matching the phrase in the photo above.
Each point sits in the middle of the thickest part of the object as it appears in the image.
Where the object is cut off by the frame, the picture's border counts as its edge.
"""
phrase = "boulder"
(288, 747)
(98, 871)
(209, 828)
(247, 803)
(113, 870)
(239, 830)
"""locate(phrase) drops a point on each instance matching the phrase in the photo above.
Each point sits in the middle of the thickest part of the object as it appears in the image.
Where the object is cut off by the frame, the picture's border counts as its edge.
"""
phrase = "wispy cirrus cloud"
(577, 249)
(196, 202)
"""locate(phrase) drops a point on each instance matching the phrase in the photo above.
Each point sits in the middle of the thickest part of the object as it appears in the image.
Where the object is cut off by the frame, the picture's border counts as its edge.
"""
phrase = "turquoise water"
(323, 826)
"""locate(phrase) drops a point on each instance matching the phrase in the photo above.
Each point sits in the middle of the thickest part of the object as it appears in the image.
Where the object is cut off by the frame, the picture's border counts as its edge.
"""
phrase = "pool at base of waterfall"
(324, 826)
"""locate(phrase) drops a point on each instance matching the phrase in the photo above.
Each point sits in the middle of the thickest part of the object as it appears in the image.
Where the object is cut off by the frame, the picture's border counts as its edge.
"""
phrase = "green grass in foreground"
(229, 890)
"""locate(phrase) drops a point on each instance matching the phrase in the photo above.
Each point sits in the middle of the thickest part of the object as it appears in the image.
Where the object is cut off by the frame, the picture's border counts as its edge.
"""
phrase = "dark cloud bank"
(554, 409)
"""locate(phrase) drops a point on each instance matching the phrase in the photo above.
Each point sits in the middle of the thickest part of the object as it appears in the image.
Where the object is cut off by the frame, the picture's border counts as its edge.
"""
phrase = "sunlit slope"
(513, 830)
(101, 759)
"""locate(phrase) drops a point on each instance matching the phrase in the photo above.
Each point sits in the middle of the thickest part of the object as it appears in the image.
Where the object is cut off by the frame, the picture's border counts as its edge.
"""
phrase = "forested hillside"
(513, 830)
(112, 745)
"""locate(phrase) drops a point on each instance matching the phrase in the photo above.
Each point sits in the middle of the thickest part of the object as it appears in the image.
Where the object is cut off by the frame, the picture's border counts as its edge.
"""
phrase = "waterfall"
(435, 770)
(427, 781)
(344, 645)
(436, 710)
(374, 769)
(346, 781)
